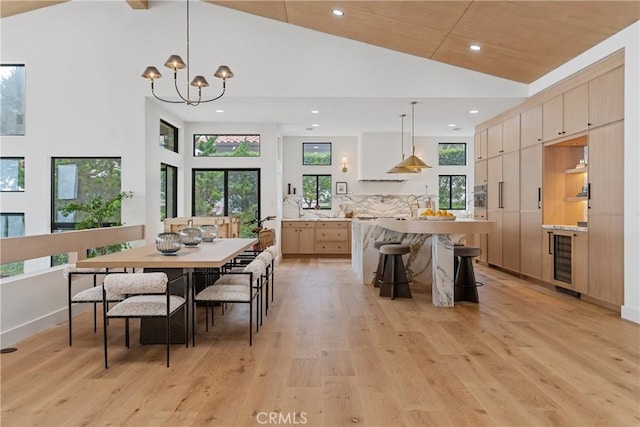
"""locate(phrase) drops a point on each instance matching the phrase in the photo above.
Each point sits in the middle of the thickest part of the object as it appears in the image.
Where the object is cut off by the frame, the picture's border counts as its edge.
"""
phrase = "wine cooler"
(562, 258)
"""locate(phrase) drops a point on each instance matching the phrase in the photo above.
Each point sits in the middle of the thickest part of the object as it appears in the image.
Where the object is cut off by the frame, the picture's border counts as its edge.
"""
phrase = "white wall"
(629, 40)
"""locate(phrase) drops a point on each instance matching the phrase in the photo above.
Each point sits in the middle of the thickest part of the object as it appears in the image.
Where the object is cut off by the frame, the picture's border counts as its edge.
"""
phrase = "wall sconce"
(344, 164)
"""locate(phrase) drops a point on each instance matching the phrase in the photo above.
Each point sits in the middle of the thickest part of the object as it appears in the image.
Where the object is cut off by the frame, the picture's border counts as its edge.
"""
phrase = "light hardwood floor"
(333, 353)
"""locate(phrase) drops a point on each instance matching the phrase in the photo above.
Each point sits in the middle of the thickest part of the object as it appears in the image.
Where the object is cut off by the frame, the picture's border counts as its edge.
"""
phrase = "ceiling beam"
(138, 4)
(10, 8)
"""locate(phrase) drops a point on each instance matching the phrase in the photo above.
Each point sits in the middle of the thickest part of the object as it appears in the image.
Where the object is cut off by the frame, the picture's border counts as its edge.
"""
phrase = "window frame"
(24, 100)
(174, 129)
(440, 144)
(317, 196)
(451, 176)
(304, 144)
(171, 209)
(25, 171)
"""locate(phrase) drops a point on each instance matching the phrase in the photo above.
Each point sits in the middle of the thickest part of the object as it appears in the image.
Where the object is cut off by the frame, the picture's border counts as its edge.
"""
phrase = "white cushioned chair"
(233, 287)
(145, 295)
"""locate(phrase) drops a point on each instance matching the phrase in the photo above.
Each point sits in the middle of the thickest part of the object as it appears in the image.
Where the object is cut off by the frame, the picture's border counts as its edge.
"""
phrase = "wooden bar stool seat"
(394, 281)
(378, 273)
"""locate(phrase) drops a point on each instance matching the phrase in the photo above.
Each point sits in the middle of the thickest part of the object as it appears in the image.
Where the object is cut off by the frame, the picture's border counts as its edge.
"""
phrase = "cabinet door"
(494, 186)
(480, 173)
(494, 239)
(289, 240)
(579, 260)
(576, 110)
(531, 127)
(494, 140)
(606, 98)
(606, 258)
(511, 181)
(531, 244)
(306, 240)
(531, 178)
(552, 119)
(606, 175)
(511, 134)
(547, 256)
(480, 145)
(511, 241)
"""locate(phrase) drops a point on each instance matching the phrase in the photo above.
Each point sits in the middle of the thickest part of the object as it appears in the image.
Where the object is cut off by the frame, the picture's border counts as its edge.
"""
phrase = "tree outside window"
(316, 153)
(12, 174)
(12, 84)
(226, 145)
(316, 191)
(452, 154)
(452, 192)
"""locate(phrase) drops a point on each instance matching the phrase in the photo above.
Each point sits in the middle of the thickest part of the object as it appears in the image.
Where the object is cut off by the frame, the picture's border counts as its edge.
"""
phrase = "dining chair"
(267, 259)
(144, 295)
(233, 287)
(273, 250)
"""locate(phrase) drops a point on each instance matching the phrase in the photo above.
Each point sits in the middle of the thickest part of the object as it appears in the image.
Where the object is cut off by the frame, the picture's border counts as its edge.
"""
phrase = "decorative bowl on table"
(168, 243)
(190, 236)
(209, 232)
(441, 218)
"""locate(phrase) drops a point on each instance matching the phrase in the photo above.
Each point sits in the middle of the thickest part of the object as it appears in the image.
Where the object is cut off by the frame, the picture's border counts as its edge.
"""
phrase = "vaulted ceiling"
(520, 40)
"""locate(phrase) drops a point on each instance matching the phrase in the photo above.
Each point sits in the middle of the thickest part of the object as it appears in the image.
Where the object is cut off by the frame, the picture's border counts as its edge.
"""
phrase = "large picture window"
(12, 174)
(168, 136)
(316, 191)
(452, 154)
(227, 192)
(316, 153)
(168, 191)
(452, 192)
(81, 180)
(226, 145)
(12, 84)
(11, 225)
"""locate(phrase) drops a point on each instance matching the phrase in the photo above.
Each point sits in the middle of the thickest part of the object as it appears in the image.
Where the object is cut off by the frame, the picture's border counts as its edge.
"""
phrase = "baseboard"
(630, 313)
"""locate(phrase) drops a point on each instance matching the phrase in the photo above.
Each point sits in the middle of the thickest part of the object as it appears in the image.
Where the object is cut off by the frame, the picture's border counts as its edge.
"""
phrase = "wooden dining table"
(206, 255)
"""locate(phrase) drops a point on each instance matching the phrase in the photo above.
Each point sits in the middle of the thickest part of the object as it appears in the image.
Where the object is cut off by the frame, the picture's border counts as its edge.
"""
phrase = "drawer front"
(333, 224)
(332, 234)
(298, 224)
(332, 248)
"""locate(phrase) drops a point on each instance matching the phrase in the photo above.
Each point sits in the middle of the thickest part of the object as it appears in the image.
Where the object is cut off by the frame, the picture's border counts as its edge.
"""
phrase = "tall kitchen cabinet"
(566, 114)
(503, 194)
(605, 213)
(531, 211)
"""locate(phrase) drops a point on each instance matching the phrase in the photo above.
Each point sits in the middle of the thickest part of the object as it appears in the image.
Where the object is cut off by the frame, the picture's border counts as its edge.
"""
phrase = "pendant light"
(413, 161)
(397, 168)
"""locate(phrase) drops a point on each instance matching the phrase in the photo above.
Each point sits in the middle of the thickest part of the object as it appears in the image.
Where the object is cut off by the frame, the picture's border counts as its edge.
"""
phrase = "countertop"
(316, 219)
(421, 226)
(564, 227)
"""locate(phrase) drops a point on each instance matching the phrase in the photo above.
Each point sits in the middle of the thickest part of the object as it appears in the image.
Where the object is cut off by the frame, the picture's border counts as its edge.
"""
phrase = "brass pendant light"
(413, 161)
(397, 168)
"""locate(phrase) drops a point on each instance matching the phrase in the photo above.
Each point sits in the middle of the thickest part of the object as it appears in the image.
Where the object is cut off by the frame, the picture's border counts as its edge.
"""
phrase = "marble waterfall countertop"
(564, 227)
(423, 226)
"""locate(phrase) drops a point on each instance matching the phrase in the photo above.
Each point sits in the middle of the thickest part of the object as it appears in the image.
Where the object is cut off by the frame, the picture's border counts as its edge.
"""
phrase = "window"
(168, 191)
(80, 180)
(226, 145)
(168, 136)
(11, 225)
(227, 192)
(316, 153)
(316, 191)
(452, 192)
(12, 85)
(12, 174)
(452, 154)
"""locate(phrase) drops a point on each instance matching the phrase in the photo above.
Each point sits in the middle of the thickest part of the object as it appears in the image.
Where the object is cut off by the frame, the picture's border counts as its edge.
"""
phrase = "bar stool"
(465, 288)
(378, 273)
(394, 281)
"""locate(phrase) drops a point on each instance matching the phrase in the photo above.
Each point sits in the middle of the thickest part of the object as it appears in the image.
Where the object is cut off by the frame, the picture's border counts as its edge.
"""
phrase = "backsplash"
(387, 205)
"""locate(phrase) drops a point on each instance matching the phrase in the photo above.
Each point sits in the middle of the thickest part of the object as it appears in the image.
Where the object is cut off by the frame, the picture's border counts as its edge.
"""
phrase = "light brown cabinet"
(606, 98)
(566, 114)
(531, 126)
(494, 140)
(531, 211)
(511, 134)
(333, 237)
(298, 237)
(480, 145)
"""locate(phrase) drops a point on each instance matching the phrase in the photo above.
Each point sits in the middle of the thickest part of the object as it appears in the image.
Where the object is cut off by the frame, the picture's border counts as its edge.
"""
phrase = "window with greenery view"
(12, 84)
(168, 136)
(452, 154)
(316, 191)
(168, 191)
(227, 192)
(12, 174)
(316, 153)
(226, 145)
(452, 192)
(11, 225)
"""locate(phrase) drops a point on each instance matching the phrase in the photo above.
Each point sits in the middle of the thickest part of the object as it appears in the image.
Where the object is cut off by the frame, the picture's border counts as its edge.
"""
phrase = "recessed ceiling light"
(473, 111)
(219, 111)
(475, 47)
(337, 12)
(315, 112)
(452, 125)
(315, 125)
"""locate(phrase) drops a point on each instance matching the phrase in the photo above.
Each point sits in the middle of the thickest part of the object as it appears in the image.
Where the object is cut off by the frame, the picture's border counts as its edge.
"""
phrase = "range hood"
(377, 153)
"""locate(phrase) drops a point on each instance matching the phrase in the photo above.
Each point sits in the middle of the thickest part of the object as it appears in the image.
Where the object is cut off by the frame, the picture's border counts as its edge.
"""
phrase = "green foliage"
(452, 154)
(317, 158)
(316, 191)
(452, 192)
(207, 147)
(12, 269)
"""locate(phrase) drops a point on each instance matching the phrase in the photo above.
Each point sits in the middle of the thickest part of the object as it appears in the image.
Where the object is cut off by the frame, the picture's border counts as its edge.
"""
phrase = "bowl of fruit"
(441, 215)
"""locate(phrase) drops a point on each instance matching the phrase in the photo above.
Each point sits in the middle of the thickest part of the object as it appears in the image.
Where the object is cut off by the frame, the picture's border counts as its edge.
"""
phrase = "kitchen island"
(431, 245)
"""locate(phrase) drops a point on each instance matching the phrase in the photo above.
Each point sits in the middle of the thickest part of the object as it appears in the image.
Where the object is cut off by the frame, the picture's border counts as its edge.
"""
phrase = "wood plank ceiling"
(521, 40)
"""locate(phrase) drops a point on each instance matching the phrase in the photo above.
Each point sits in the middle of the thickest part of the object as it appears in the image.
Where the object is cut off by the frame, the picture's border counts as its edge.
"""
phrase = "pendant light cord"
(413, 114)
(188, 76)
